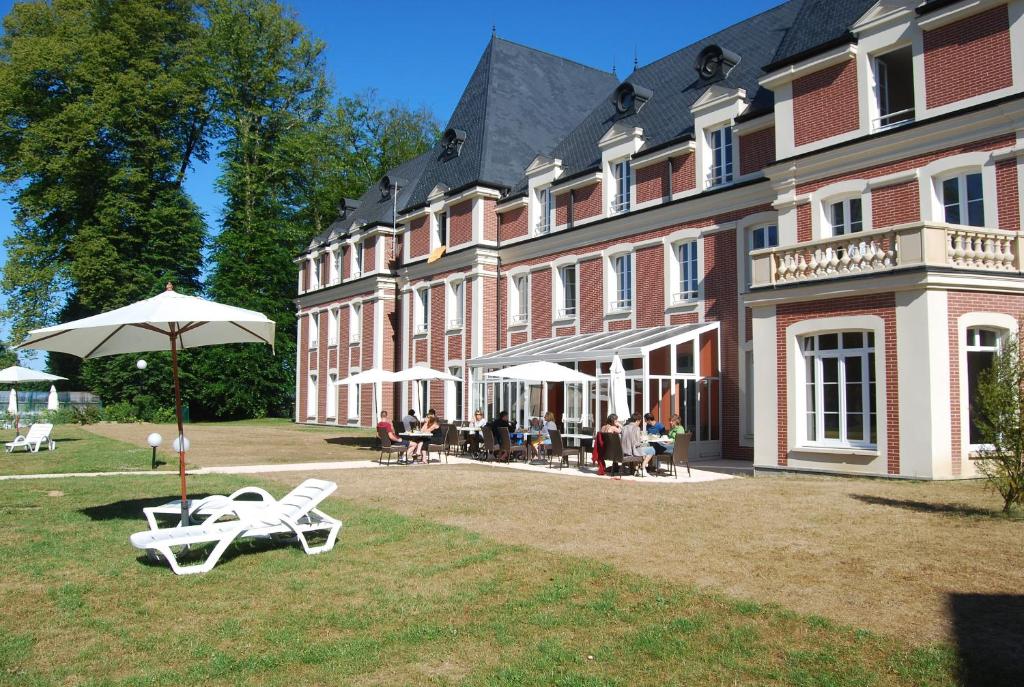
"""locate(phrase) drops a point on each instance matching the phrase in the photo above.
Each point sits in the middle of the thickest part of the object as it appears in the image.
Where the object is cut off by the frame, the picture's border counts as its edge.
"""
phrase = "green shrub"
(66, 415)
(162, 416)
(122, 411)
(88, 416)
(1001, 422)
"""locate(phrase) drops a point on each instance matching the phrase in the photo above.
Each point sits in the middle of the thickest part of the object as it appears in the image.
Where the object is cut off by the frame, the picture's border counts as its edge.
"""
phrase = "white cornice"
(513, 203)
(718, 97)
(618, 134)
(782, 76)
(884, 13)
(952, 13)
(759, 123)
(578, 182)
(542, 164)
(643, 159)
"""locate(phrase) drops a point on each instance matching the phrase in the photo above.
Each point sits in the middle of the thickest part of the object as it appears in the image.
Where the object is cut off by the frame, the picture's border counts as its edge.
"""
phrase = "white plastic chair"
(203, 508)
(37, 435)
(294, 515)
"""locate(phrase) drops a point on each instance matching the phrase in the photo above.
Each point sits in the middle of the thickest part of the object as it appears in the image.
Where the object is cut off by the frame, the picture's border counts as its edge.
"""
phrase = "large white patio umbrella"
(418, 373)
(375, 376)
(14, 375)
(617, 388)
(543, 371)
(168, 322)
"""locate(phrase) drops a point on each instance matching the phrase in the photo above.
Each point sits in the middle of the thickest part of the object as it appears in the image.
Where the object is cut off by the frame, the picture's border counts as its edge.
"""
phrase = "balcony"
(931, 244)
(542, 228)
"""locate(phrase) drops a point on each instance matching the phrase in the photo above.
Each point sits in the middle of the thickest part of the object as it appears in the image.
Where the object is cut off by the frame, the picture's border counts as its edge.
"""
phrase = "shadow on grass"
(928, 507)
(989, 638)
(365, 442)
(130, 509)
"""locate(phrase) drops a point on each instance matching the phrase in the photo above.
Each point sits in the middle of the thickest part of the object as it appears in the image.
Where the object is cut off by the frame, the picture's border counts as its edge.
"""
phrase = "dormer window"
(715, 62)
(546, 211)
(384, 187)
(720, 142)
(451, 143)
(622, 175)
(630, 98)
(894, 88)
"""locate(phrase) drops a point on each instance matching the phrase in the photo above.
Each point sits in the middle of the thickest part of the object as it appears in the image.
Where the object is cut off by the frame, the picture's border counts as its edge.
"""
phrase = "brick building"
(802, 234)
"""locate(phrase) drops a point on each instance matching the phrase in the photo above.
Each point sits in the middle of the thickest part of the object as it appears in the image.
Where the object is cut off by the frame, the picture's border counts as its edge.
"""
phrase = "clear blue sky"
(422, 53)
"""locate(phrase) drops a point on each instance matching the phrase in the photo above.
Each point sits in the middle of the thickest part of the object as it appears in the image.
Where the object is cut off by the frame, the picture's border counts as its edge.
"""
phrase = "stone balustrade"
(883, 250)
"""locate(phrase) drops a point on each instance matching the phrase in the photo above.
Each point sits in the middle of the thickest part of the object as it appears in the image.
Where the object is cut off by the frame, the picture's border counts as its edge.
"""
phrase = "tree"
(104, 104)
(7, 357)
(1000, 419)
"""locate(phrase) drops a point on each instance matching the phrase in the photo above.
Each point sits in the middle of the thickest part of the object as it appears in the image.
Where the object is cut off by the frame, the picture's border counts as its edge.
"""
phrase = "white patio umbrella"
(51, 400)
(543, 371)
(375, 376)
(168, 322)
(617, 388)
(418, 373)
(14, 375)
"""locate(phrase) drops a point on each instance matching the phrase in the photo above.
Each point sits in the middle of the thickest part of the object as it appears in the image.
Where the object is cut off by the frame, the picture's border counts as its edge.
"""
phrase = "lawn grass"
(78, 450)
(399, 601)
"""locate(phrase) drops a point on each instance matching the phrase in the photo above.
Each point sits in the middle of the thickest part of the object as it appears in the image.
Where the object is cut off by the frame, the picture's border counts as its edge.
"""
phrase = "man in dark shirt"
(410, 422)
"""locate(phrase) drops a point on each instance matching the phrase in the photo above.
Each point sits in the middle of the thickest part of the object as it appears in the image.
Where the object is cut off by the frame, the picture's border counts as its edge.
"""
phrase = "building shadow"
(130, 509)
(989, 634)
(957, 509)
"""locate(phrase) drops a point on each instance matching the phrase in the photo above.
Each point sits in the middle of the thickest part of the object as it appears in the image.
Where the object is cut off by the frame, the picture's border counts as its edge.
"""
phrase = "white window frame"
(355, 323)
(879, 75)
(617, 288)
(333, 324)
(963, 202)
(316, 272)
(864, 352)
(723, 155)
(622, 178)
(846, 202)
(562, 309)
(766, 230)
(314, 330)
(332, 397)
(312, 395)
(1004, 325)
(354, 394)
(687, 273)
(519, 301)
(357, 259)
(452, 410)
(545, 223)
(421, 310)
(441, 234)
(455, 303)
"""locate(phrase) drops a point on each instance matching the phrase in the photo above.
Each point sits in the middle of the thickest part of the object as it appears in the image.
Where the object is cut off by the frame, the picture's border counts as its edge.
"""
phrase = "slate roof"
(373, 209)
(676, 86)
(818, 25)
(519, 102)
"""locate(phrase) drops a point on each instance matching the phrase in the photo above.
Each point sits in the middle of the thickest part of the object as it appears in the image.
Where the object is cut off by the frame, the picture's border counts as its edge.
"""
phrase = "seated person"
(502, 422)
(675, 427)
(611, 425)
(633, 442)
(652, 426)
(410, 421)
(473, 438)
(432, 424)
(411, 449)
(545, 430)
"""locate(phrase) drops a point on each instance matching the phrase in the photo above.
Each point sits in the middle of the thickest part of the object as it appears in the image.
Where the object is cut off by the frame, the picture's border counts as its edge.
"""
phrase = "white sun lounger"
(37, 435)
(203, 508)
(294, 515)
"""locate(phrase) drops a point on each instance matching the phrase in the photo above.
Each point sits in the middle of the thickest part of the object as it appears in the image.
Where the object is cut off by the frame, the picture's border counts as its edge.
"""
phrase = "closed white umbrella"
(51, 401)
(168, 322)
(16, 374)
(617, 388)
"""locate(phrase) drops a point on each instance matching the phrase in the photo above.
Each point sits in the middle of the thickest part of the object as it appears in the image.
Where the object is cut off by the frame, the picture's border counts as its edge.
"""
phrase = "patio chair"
(611, 450)
(680, 454)
(448, 444)
(295, 515)
(387, 446)
(38, 435)
(508, 448)
(490, 446)
(557, 450)
(202, 508)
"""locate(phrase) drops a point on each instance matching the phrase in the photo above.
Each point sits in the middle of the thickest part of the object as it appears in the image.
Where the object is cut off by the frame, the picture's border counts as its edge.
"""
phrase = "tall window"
(311, 396)
(442, 228)
(453, 399)
(354, 392)
(546, 214)
(840, 388)
(317, 270)
(982, 346)
(766, 236)
(894, 86)
(521, 304)
(686, 259)
(332, 328)
(623, 181)
(355, 323)
(846, 216)
(423, 388)
(963, 200)
(422, 310)
(357, 260)
(567, 281)
(336, 255)
(332, 396)
(314, 329)
(456, 304)
(721, 156)
(622, 267)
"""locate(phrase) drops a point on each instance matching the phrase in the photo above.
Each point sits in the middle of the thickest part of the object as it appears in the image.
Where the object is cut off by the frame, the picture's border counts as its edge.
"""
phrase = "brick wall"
(562, 202)
(650, 286)
(305, 272)
(345, 267)
(517, 338)
(895, 204)
(419, 237)
(370, 254)
(1007, 195)
(513, 223)
(460, 223)
(757, 150)
(882, 305)
(652, 182)
(960, 303)
(437, 345)
(303, 371)
(587, 202)
(804, 231)
(490, 230)
(541, 298)
(968, 57)
(494, 308)
(366, 408)
(454, 351)
(388, 397)
(683, 175)
(591, 296)
(825, 103)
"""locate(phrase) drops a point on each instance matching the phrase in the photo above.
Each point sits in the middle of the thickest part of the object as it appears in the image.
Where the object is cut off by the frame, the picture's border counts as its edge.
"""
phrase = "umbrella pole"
(181, 429)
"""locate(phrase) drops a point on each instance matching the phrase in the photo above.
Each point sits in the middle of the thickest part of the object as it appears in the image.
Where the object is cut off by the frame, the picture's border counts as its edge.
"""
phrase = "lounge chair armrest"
(229, 509)
(262, 493)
